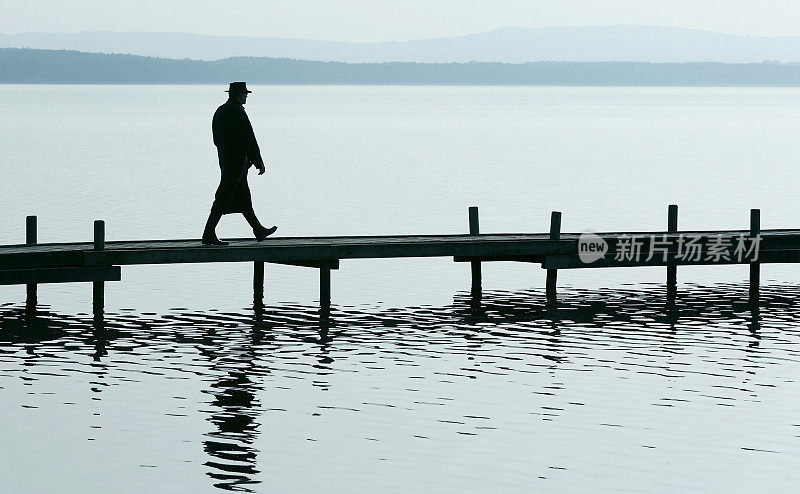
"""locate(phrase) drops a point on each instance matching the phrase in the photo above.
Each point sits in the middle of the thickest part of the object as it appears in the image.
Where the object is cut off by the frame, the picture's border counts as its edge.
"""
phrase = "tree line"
(22, 65)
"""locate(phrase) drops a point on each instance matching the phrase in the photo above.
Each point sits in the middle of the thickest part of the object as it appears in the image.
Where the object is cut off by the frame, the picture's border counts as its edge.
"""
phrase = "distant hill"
(62, 66)
(511, 45)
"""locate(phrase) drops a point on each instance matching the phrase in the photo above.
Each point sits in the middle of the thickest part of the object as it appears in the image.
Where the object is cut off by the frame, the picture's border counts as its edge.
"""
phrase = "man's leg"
(227, 183)
(214, 216)
(252, 220)
(258, 229)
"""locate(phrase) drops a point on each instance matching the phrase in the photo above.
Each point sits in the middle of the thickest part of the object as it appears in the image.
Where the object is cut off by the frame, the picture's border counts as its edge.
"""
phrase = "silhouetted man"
(237, 150)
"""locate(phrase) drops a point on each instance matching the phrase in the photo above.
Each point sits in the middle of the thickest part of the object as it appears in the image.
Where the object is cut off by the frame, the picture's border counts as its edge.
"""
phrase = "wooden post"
(258, 282)
(755, 267)
(99, 235)
(32, 298)
(325, 288)
(672, 270)
(31, 237)
(98, 287)
(552, 274)
(474, 229)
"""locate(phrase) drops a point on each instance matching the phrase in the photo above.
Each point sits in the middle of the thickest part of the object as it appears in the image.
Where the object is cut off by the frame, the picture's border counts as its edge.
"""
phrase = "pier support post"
(755, 267)
(474, 229)
(325, 289)
(98, 287)
(672, 270)
(552, 274)
(32, 298)
(258, 282)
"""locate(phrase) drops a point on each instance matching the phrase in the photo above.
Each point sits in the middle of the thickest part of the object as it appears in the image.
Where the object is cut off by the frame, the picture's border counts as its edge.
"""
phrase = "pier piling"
(474, 229)
(325, 288)
(672, 270)
(258, 282)
(98, 287)
(31, 238)
(755, 267)
(552, 274)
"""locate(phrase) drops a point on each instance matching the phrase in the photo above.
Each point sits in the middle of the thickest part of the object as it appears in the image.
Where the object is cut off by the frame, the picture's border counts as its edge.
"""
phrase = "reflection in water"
(234, 458)
(240, 356)
(231, 444)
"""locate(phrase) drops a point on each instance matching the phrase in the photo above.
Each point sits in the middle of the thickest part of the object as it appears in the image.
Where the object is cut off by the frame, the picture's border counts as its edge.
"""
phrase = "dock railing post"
(258, 282)
(325, 289)
(98, 287)
(552, 274)
(31, 299)
(755, 267)
(672, 269)
(474, 229)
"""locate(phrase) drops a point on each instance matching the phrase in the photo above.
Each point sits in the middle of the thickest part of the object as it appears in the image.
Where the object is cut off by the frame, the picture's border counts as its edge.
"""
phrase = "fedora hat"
(238, 87)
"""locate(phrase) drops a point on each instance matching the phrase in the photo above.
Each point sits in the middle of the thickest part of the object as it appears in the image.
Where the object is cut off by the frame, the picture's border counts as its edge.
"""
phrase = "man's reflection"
(236, 407)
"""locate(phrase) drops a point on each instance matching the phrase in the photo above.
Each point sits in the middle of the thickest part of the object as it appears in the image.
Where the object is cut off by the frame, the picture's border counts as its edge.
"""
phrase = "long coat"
(237, 150)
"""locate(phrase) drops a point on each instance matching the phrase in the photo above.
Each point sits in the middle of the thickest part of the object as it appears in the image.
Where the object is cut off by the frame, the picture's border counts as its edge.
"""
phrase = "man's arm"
(251, 145)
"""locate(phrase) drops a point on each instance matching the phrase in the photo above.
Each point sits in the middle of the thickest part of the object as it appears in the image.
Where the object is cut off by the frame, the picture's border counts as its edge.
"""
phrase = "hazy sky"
(379, 20)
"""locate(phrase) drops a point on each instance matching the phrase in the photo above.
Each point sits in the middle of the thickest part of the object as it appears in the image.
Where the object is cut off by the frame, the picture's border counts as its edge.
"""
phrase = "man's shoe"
(213, 241)
(265, 232)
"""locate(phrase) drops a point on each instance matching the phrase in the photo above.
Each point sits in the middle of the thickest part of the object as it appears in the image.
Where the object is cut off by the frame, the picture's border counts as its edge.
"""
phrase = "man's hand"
(261, 168)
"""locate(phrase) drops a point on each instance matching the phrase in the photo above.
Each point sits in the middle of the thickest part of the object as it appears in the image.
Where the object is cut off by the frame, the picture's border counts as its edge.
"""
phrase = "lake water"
(411, 388)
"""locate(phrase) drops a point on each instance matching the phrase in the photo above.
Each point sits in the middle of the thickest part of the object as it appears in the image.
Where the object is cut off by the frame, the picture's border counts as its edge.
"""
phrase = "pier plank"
(60, 275)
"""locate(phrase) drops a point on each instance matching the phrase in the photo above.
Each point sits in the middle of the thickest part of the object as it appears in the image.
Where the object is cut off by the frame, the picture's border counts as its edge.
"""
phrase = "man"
(237, 150)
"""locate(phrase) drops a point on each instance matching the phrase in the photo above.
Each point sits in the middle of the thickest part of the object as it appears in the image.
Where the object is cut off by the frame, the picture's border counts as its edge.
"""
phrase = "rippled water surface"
(411, 385)
(609, 390)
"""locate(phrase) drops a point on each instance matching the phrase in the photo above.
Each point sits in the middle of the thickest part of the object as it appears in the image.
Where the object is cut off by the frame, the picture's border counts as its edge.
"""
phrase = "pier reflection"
(237, 356)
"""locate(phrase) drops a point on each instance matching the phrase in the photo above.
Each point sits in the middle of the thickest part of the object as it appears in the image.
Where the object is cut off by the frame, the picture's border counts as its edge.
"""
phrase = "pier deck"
(99, 261)
(275, 249)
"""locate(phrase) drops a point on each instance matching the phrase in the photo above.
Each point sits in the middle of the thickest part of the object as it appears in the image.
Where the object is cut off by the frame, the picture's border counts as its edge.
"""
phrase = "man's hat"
(238, 87)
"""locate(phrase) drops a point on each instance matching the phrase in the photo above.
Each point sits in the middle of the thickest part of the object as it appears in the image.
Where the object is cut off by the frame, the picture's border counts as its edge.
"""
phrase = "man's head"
(238, 91)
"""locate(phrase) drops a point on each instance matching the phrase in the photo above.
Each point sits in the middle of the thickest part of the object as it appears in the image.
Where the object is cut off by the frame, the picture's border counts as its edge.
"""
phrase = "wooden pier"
(100, 261)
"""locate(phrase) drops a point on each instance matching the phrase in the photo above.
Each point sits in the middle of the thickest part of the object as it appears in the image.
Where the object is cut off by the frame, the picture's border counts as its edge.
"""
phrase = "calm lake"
(411, 387)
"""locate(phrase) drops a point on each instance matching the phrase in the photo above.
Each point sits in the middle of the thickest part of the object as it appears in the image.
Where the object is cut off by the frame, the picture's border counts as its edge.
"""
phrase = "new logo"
(591, 247)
